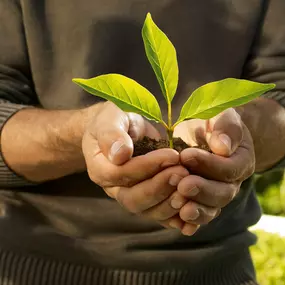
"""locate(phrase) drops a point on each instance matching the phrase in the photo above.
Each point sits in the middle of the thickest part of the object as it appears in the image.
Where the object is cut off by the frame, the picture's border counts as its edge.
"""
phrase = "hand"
(144, 185)
(215, 177)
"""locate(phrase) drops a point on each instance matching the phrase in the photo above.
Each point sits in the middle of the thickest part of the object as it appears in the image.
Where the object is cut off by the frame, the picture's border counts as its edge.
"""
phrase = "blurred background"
(269, 253)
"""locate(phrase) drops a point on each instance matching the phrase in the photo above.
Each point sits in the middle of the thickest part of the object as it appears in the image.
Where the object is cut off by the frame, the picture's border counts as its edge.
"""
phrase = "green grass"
(270, 189)
(269, 258)
(269, 252)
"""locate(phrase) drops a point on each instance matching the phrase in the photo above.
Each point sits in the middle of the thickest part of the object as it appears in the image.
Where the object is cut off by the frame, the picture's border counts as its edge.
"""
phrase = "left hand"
(215, 178)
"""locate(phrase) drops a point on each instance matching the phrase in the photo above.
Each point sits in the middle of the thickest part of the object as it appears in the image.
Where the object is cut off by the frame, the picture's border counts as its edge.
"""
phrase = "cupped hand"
(145, 185)
(215, 177)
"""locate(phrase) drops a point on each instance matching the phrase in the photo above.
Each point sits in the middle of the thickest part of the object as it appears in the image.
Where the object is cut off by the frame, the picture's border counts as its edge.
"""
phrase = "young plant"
(205, 102)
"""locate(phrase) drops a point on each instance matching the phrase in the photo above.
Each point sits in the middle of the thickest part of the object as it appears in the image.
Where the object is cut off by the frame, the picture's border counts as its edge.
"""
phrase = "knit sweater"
(69, 229)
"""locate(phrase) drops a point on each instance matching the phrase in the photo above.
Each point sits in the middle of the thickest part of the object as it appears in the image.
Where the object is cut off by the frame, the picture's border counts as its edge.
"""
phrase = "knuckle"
(110, 192)
(226, 196)
(150, 191)
(155, 193)
(95, 177)
(116, 178)
(127, 202)
(109, 108)
(123, 180)
(234, 116)
(250, 170)
(109, 178)
(232, 174)
(109, 104)
(206, 215)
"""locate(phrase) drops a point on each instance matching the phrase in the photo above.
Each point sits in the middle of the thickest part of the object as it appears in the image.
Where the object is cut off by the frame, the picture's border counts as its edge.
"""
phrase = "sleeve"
(16, 88)
(266, 61)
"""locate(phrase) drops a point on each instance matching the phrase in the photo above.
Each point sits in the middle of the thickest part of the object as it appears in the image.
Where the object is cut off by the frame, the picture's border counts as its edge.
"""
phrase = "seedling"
(204, 103)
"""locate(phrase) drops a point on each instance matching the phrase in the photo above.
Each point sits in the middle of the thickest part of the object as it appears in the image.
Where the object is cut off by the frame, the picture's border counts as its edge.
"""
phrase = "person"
(75, 206)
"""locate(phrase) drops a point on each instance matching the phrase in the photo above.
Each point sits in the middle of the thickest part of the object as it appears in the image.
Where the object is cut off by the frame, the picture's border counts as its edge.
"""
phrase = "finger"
(151, 131)
(225, 132)
(151, 192)
(106, 174)
(189, 229)
(198, 214)
(139, 128)
(239, 166)
(186, 131)
(193, 132)
(207, 192)
(110, 128)
(174, 223)
(167, 208)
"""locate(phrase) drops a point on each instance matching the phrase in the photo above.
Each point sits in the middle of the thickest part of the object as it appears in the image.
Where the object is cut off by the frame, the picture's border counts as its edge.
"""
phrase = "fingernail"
(226, 141)
(191, 232)
(194, 216)
(209, 211)
(177, 203)
(174, 179)
(193, 192)
(115, 148)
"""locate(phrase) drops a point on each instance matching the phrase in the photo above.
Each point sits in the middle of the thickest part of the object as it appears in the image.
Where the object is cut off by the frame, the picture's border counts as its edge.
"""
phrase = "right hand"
(144, 185)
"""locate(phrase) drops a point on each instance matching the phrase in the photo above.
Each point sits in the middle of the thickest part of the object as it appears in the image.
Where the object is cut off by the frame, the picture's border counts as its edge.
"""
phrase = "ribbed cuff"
(7, 177)
(21, 269)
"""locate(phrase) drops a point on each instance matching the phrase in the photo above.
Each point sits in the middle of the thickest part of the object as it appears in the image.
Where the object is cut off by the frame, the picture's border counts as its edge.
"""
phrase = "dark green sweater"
(69, 229)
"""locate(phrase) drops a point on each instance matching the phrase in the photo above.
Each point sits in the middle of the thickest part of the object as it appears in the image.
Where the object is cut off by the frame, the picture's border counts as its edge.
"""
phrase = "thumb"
(109, 130)
(114, 132)
(225, 132)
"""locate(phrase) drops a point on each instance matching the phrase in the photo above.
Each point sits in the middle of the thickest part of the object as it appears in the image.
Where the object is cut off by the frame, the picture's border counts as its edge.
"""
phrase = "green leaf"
(126, 93)
(162, 57)
(211, 99)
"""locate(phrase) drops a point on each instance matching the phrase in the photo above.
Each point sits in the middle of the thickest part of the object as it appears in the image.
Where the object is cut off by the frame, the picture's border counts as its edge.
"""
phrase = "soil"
(147, 145)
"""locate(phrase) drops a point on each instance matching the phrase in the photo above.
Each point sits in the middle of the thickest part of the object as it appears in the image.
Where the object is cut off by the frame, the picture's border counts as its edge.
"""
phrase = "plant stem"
(170, 129)
(164, 124)
(170, 137)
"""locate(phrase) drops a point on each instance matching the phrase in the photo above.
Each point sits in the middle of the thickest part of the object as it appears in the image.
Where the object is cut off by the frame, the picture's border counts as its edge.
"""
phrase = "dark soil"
(147, 145)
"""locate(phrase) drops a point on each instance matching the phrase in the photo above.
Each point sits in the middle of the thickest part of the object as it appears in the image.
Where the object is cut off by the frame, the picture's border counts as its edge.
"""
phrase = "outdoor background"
(269, 253)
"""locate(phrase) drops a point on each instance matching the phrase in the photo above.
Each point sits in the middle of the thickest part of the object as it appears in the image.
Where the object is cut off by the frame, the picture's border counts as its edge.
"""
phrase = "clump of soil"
(147, 145)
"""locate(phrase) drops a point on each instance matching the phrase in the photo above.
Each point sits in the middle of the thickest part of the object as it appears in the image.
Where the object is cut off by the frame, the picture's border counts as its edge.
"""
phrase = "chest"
(86, 38)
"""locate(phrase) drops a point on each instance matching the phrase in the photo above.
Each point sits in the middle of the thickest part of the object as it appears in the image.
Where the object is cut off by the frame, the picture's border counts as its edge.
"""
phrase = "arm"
(52, 149)
(253, 141)
(36, 144)
(265, 118)
(16, 90)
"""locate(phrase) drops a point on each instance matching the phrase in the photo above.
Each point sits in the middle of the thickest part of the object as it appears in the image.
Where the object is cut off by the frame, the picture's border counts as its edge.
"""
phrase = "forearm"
(265, 119)
(44, 145)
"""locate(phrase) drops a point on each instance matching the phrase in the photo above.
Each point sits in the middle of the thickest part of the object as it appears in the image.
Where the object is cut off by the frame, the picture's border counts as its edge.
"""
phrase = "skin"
(160, 185)
(215, 178)
(247, 146)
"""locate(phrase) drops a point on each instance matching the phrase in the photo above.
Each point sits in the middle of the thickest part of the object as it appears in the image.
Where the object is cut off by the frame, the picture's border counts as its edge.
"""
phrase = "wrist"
(43, 145)
(66, 138)
(265, 120)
